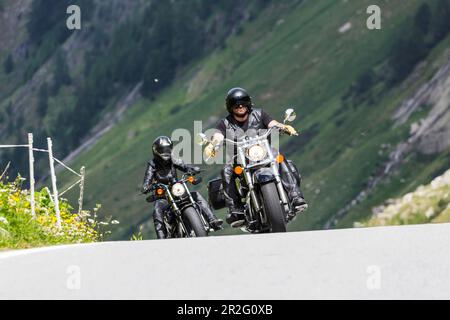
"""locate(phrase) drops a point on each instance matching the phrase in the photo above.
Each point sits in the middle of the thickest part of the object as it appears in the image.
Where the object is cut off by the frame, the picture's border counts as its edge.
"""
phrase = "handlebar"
(184, 178)
(247, 140)
(259, 137)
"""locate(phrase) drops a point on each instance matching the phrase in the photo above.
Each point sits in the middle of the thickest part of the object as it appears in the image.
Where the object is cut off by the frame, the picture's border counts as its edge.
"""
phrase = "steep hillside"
(292, 54)
(428, 203)
(67, 83)
(360, 95)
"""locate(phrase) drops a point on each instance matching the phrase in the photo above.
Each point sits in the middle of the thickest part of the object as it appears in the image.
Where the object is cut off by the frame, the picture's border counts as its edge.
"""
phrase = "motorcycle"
(183, 218)
(266, 203)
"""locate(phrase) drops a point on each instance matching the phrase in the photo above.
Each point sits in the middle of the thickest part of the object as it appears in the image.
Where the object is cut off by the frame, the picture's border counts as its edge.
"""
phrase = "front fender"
(186, 205)
(263, 176)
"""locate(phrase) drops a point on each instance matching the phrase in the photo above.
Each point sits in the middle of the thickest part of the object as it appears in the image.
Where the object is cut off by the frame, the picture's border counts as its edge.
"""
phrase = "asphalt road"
(408, 262)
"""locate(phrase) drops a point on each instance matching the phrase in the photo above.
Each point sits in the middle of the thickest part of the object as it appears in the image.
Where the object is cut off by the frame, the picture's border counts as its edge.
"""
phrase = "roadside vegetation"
(428, 203)
(18, 229)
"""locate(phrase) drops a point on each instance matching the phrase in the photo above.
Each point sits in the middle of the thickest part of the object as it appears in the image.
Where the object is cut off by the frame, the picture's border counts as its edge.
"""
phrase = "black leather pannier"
(215, 194)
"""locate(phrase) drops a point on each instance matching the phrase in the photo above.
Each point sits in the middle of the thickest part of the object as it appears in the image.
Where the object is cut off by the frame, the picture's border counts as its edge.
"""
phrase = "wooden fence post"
(31, 161)
(53, 176)
(80, 199)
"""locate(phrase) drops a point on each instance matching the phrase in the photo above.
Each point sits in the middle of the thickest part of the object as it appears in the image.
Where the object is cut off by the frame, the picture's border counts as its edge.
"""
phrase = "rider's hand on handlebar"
(194, 170)
(210, 150)
(290, 130)
(146, 189)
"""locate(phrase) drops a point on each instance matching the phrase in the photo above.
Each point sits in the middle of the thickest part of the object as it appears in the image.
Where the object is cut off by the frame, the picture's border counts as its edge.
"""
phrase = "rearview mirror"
(289, 115)
(201, 139)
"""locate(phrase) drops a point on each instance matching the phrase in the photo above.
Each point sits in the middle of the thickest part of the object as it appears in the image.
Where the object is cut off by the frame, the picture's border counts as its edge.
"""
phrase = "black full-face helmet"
(162, 148)
(237, 96)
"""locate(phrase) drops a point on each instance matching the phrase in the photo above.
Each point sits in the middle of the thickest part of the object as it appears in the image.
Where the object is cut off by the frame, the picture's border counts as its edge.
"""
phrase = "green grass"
(19, 229)
(291, 55)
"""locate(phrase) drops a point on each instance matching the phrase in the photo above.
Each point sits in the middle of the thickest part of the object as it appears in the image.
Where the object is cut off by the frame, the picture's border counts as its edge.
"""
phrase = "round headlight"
(178, 190)
(256, 153)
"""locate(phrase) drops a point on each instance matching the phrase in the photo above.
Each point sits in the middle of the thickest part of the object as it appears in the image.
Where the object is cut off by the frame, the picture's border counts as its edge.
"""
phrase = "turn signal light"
(280, 158)
(238, 170)
(159, 191)
(191, 179)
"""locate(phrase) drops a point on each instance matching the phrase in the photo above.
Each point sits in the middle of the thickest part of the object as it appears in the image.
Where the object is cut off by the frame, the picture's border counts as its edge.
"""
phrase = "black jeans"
(290, 180)
(161, 205)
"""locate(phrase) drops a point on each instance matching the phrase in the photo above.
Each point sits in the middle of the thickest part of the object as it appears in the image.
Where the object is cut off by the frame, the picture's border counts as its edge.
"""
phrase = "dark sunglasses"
(241, 104)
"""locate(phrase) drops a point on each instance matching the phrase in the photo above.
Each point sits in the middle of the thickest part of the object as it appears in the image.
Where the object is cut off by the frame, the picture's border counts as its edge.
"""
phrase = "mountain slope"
(292, 54)
(67, 83)
(347, 83)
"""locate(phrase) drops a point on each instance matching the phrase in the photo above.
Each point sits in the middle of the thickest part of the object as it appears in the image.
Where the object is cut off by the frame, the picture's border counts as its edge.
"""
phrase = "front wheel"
(195, 223)
(273, 208)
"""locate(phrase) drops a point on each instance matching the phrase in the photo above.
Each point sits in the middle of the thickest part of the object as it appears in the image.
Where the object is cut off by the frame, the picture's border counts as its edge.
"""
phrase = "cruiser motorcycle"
(258, 181)
(183, 217)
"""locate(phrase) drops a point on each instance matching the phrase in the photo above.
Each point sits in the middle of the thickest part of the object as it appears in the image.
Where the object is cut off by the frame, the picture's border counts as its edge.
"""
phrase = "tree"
(8, 64)
(61, 76)
(45, 17)
(422, 19)
(441, 20)
(406, 53)
(42, 105)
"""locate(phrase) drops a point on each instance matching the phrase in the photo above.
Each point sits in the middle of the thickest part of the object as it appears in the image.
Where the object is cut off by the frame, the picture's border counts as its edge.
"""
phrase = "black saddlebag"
(215, 194)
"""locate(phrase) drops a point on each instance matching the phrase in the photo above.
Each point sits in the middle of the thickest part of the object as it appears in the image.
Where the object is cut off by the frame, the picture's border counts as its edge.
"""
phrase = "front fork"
(177, 212)
(278, 182)
(276, 172)
(251, 188)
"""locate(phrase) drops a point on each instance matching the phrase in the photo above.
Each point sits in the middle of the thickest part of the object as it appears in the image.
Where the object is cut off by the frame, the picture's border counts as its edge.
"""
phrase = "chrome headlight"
(256, 153)
(178, 190)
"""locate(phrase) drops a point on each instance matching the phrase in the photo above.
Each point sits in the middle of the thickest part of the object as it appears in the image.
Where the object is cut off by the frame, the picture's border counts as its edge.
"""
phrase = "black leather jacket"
(257, 121)
(231, 128)
(164, 172)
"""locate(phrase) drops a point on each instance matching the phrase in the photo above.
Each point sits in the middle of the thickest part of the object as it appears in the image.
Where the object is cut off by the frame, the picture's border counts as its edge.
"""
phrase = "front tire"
(273, 208)
(194, 221)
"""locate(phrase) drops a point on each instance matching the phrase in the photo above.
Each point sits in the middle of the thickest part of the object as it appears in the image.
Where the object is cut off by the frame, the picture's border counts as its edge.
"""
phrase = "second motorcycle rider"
(163, 168)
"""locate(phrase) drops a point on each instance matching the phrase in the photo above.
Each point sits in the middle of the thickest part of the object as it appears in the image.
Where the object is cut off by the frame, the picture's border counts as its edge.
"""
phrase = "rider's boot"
(214, 222)
(291, 181)
(160, 234)
(299, 205)
(236, 217)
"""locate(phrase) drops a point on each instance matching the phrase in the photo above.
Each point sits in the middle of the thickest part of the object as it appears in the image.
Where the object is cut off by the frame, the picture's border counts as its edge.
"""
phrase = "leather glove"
(210, 151)
(194, 170)
(290, 130)
(151, 198)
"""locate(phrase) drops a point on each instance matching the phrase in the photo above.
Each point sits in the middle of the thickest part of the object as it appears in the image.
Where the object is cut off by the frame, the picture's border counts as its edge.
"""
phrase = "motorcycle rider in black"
(163, 168)
(243, 117)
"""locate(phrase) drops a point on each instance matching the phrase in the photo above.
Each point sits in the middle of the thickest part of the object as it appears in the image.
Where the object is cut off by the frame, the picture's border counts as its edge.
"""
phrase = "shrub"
(18, 229)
